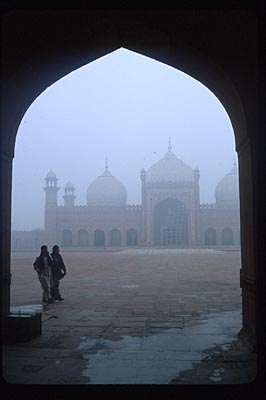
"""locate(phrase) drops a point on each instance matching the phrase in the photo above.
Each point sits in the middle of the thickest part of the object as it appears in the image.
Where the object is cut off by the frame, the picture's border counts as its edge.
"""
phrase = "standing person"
(58, 272)
(42, 266)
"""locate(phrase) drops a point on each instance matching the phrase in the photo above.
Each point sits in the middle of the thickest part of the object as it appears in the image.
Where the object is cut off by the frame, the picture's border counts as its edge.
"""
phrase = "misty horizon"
(123, 107)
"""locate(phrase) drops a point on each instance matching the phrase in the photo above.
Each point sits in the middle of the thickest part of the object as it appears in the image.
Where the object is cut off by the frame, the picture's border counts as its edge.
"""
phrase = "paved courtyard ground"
(138, 316)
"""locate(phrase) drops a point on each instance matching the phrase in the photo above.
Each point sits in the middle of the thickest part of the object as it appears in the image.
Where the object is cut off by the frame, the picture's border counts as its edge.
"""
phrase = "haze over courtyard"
(123, 106)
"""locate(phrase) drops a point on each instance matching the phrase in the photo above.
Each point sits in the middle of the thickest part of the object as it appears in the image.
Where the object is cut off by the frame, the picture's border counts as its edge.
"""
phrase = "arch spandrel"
(224, 60)
(104, 36)
(158, 198)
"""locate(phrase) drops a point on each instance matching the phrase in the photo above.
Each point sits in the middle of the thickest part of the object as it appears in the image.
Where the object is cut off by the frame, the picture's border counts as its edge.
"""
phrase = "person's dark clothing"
(58, 266)
(58, 272)
(42, 265)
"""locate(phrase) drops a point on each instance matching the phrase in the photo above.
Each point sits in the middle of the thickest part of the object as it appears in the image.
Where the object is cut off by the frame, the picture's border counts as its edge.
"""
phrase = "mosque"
(170, 213)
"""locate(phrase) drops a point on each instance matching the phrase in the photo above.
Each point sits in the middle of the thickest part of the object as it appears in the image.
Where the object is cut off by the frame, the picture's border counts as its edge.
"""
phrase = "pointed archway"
(173, 40)
(210, 237)
(170, 223)
(99, 238)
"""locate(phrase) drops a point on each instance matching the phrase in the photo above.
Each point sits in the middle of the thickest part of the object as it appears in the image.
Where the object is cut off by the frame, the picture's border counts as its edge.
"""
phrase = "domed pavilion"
(220, 222)
(106, 191)
(227, 189)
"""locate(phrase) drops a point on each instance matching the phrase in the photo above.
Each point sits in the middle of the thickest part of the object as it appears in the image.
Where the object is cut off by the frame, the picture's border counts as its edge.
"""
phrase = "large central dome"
(170, 169)
(106, 190)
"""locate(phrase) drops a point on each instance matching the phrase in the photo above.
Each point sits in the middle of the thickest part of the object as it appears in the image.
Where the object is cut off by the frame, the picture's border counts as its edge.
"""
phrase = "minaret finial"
(169, 144)
(106, 164)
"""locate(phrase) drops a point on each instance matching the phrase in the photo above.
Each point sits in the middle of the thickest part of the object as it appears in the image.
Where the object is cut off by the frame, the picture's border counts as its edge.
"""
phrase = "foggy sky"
(123, 106)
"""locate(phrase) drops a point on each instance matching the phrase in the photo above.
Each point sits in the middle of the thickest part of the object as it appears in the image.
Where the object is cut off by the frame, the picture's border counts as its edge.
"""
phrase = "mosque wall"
(27, 239)
(170, 213)
(90, 219)
(219, 219)
(79, 219)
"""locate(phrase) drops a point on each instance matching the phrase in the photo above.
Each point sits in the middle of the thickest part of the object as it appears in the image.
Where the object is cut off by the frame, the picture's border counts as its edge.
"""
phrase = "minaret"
(69, 196)
(197, 205)
(51, 190)
(143, 206)
(50, 217)
(197, 175)
(169, 144)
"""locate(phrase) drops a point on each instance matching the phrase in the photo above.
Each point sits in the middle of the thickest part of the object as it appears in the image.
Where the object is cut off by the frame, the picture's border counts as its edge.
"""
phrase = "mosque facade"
(170, 213)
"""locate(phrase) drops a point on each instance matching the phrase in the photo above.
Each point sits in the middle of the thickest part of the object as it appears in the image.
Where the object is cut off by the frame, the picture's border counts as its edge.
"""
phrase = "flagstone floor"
(162, 317)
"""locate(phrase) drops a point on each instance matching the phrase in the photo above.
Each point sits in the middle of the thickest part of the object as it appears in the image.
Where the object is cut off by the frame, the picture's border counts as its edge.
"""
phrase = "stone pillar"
(124, 237)
(6, 193)
(74, 235)
(149, 218)
(190, 221)
(90, 238)
(107, 237)
(15, 328)
(247, 273)
(218, 237)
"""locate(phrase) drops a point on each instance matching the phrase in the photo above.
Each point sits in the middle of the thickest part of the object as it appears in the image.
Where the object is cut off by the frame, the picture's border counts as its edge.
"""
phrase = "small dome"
(51, 175)
(170, 169)
(106, 190)
(227, 189)
(69, 185)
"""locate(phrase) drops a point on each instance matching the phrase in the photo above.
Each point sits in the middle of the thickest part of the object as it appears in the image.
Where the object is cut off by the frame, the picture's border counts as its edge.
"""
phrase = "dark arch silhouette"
(210, 237)
(99, 237)
(212, 58)
(132, 237)
(115, 237)
(239, 238)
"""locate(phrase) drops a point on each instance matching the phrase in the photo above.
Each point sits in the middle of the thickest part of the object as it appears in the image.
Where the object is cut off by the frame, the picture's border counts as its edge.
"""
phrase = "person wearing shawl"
(42, 266)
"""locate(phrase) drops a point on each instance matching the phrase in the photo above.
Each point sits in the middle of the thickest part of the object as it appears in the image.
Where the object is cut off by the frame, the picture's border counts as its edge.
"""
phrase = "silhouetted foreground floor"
(134, 317)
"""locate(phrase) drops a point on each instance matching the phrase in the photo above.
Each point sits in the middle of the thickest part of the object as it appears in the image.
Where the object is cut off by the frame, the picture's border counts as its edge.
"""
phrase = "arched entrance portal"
(99, 238)
(210, 237)
(170, 223)
(227, 236)
(132, 237)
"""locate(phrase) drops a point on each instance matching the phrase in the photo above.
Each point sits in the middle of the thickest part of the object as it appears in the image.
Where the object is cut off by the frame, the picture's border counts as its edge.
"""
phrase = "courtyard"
(136, 316)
